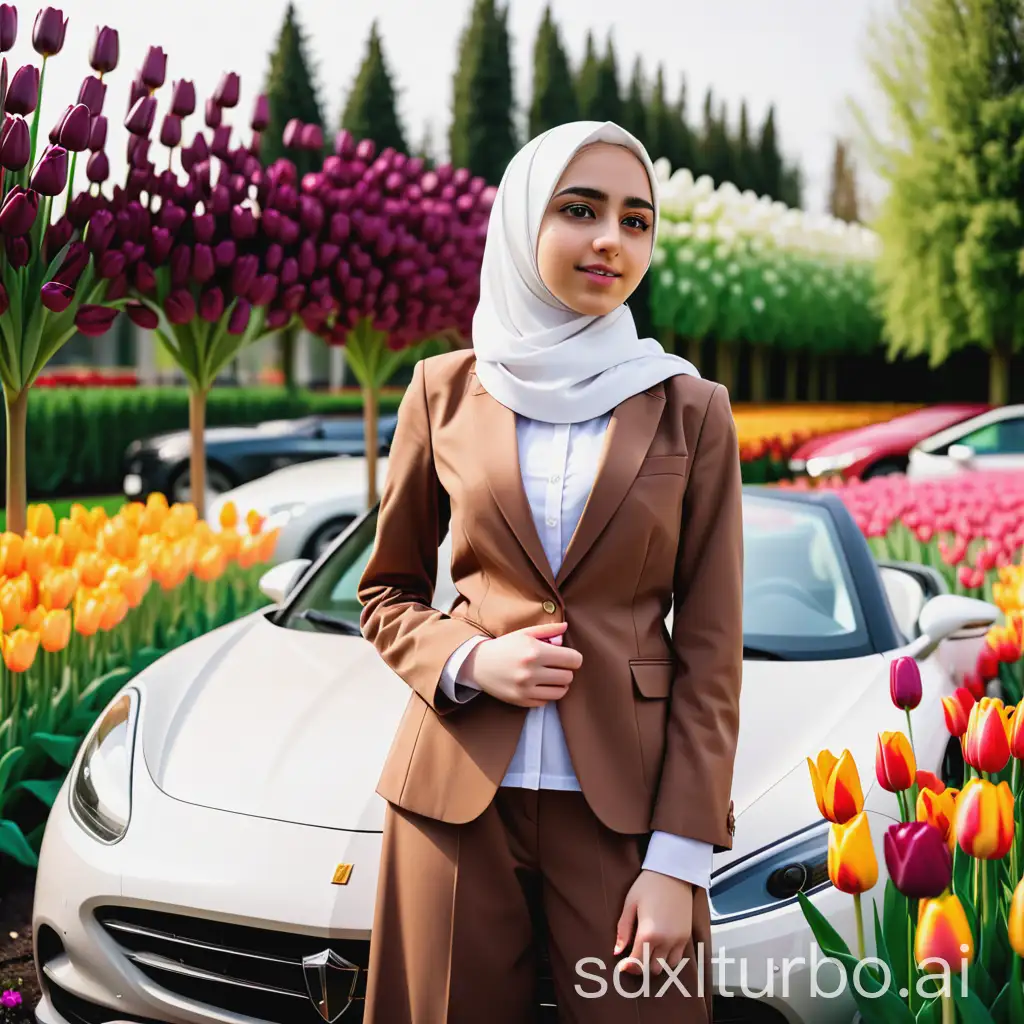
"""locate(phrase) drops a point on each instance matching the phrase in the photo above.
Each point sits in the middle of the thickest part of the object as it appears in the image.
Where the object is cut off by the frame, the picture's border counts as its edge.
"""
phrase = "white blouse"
(559, 463)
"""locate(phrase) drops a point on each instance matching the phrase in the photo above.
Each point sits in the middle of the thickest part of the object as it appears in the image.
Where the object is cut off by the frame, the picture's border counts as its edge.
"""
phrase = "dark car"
(236, 455)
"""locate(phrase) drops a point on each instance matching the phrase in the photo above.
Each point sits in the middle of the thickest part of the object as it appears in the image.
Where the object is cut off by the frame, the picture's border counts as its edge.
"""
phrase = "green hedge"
(77, 436)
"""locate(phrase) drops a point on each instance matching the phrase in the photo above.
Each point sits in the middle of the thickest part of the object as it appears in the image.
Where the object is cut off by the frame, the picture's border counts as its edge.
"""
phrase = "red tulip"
(957, 710)
(919, 860)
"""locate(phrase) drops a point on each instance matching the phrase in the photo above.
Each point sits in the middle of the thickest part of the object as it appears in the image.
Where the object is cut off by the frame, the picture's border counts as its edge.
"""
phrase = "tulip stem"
(948, 1009)
(35, 119)
(860, 924)
(913, 785)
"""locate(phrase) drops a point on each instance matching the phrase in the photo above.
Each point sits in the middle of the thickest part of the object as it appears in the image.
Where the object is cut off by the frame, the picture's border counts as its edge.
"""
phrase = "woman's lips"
(605, 279)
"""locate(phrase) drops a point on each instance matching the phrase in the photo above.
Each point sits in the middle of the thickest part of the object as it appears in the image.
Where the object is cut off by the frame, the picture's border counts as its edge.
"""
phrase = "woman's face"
(596, 235)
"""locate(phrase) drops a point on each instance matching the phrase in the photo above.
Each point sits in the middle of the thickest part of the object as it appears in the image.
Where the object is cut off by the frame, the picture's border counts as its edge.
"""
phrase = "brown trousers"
(459, 909)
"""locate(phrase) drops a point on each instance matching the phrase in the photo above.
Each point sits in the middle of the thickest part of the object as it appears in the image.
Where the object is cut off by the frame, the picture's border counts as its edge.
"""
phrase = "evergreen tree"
(482, 135)
(660, 126)
(746, 159)
(426, 150)
(554, 92)
(770, 165)
(842, 197)
(634, 108)
(370, 110)
(793, 187)
(291, 93)
(683, 145)
(608, 105)
(588, 82)
(715, 145)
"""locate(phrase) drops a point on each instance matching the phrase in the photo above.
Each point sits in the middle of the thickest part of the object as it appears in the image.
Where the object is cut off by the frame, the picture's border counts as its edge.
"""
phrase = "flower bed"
(86, 603)
(87, 377)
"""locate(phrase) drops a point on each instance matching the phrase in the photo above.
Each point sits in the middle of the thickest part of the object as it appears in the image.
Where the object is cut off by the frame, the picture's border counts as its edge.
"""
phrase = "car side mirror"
(962, 454)
(953, 617)
(279, 581)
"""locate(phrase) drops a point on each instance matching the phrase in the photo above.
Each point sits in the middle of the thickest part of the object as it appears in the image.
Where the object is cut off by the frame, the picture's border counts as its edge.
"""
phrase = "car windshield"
(799, 596)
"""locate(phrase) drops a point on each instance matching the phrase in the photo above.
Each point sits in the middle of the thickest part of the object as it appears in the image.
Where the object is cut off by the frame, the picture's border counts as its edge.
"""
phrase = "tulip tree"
(50, 287)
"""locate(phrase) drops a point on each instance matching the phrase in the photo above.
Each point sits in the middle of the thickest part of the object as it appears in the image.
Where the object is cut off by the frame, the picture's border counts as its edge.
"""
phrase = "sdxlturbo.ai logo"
(827, 979)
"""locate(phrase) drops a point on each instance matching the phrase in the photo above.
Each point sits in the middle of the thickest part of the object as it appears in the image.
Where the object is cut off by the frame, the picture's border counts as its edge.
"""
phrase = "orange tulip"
(12, 607)
(91, 567)
(33, 620)
(229, 516)
(19, 649)
(944, 938)
(852, 865)
(837, 788)
(135, 584)
(895, 767)
(929, 780)
(248, 551)
(113, 605)
(210, 565)
(12, 554)
(131, 513)
(42, 553)
(986, 743)
(984, 819)
(97, 519)
(957, 710)
(88, 611)
(254, 521)
(75, 540)
(40, 520)
(231, 542)
(55, 631)
(1016, 920)
(119, 540)
(939, 809)
(57, 588)
(268, 544)
(170, 566)
(28, 588)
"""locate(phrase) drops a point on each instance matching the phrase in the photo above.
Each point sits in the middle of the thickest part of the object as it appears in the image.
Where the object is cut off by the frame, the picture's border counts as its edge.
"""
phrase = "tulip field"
(87, 602)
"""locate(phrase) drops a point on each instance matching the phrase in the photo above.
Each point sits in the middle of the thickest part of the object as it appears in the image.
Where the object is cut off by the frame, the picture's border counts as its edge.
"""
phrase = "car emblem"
(342, 873)
(330, 983)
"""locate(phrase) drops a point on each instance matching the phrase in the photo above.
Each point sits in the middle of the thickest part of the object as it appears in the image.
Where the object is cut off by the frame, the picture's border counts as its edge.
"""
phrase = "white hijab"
(534, 354)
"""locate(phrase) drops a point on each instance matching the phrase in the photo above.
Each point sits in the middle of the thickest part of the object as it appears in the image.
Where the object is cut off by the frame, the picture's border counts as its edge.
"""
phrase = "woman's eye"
(578, 210)
(638, 222)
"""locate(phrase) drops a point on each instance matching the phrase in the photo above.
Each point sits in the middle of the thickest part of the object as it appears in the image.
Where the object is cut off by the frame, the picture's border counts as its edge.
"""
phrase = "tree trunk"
(832, 378)
(286, 341)
(725, 365)
(760, 369)
(668, 339)
(998, 377)
(792, 376)
(814, 378)
(197, 462)
(370, 432)
(694, 351)
(17, 477)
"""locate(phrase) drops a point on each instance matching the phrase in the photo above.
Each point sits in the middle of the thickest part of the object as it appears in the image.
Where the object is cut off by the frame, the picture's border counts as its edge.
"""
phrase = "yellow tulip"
(852, 865)
(984, 819)
(939, 809)
(1016, 920)
(229, 516)
(254, 521)
(55, 631)
(942, 935)
(19, 649)
(837, 787)
(40, 520)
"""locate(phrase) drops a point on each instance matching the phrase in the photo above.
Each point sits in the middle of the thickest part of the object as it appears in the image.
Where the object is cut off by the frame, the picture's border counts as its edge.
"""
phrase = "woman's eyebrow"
(632, 202)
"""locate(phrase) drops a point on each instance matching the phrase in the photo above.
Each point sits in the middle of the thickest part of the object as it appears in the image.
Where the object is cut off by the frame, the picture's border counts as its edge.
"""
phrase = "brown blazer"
(650, 719)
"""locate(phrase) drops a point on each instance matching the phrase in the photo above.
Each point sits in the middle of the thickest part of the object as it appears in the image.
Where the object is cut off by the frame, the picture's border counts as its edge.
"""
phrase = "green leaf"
(57, 747)
(875, 1001)
(825, 935)
(102, 689)
(14, 844)
(7, 763)
(972, 1009)
(144, 657)
(45, 790)
(895, 917)
(929, 1013)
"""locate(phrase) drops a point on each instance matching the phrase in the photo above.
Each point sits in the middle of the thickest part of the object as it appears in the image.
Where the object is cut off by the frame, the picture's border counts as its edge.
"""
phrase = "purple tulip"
(211, 304)
(55, 130)
(183, 99)
(97, 169)
(341, 227)
(221, 142)
(18, 251)
(75, 261)
(8, 26)
(307, 258)
(117, 289)
(243, 223)
(56, 237)
(56, 296)
(23, 92)
(203, 266)
(214, 115)
(93, 93)
(239, 319)
(225, 253)
(140, 118)
(19, 212)
(226, 94)
(905, 687)
(142, 316)
(327, 255)
(918, 860)
(74, 130)
(161, 241)
(95, 321)
(243, 274)
(292, 134)
(180, 307)
(294, 297)
(5, 300)
(181, 265)
(311, 215)
(48, 32)
(260, 114)
(172, 217)
(154, 67)
(277, 318)
(170, 131)
(274, 258)
(110, 264)
(137, 91)
(51, 173)
(220, 200)
(289, 231)
(289, 271)
(204, 226)
(145, 277)
(104, 53)
(263, 290)
(312, 137)
(138, 152)
(15, 143)
(98, 133)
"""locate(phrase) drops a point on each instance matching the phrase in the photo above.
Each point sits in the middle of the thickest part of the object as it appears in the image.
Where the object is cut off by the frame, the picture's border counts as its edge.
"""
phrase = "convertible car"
(235, 455)
(212, 855)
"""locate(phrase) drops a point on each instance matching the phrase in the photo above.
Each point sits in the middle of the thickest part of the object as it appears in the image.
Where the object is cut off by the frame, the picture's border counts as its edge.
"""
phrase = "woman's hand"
(661, 907)
(528, 667)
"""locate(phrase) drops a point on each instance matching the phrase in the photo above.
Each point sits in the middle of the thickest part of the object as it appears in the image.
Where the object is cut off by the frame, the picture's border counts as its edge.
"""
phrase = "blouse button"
(549, 607)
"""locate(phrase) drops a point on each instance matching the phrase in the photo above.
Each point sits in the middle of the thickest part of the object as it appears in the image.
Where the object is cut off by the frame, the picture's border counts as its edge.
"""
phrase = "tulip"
(51, 173)
(15, 144)
(154, 68)
(226, 94)
(92, 94)
(57, 588)
(55, 630)
(74, 129)
(142, 316)
(261, 114)
(939, 809)
(56, 296)
(243, 274)
(94, 321)
(19, 212)
(918, 859)
(984, 819)
(19, 650)
(23, 91)
(894, 762)
(292, 135)
(170, 131)
(141, 116)
(135, 584)
(98, 134)
(88, 612)
(852, 865)
(957, 710)
(48, 32)
(904, 682)
(312, 137)
(1016, 920)
(104, 53)
(211, 305)
(986, 743)
(239, 319)
(944, 940)
(180, 307)
(928, 780)
(8, 26)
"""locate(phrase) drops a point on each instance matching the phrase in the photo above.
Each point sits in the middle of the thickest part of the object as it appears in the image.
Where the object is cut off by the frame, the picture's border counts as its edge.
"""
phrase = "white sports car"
(213, 853)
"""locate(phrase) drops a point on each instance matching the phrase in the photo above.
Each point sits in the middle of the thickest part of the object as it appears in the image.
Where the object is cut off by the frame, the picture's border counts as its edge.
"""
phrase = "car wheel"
(217, 482)
(326, 536)
(887, 467)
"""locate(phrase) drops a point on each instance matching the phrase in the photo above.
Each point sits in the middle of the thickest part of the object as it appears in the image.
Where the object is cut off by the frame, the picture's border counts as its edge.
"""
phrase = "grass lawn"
(62, 507)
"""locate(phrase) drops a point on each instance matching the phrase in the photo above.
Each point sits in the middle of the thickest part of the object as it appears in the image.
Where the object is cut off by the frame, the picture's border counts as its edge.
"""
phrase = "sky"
(805, 56)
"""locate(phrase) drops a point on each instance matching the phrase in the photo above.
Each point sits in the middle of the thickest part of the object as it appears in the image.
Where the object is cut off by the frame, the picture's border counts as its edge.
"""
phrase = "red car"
(880, 448)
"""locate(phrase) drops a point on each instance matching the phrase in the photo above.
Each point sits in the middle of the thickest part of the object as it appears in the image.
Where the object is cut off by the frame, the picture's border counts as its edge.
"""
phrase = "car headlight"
(772, 875)
(101, 790)
(820, 464)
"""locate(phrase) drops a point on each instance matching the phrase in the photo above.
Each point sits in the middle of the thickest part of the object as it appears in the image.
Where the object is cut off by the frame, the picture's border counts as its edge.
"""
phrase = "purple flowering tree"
(49, 285)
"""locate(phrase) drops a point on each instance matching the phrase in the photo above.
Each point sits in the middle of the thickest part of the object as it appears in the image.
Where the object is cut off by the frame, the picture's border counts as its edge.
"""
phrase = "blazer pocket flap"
(655, 465)
(653, 678)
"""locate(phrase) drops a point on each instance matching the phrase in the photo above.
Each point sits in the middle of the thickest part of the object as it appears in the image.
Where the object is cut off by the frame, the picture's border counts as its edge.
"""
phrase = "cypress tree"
(769, 159)
(746, 159)
(554, 92)
(370, 110)
(291, 93)
(588, 83)
(608, 105)
(716, 146)
(660, 128)
(482, 136)
(426, 150)
(634, 108)
(683, 145)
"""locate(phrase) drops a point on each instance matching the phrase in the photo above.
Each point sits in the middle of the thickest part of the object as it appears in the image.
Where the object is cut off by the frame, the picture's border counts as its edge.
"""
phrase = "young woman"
(563, 769)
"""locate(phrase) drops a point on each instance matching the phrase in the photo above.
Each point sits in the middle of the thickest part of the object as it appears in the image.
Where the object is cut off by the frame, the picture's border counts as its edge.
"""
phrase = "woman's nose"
(607, 239)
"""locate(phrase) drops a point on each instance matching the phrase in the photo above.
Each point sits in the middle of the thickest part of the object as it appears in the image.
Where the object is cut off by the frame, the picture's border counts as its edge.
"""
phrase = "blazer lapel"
(495, 427)
(630, 433)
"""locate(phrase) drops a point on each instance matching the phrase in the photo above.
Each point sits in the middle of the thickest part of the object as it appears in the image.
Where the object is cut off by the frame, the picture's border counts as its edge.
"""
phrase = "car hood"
(296, 726)
(902, 432)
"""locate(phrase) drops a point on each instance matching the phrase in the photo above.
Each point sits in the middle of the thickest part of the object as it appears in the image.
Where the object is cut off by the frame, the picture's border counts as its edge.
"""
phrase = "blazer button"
(549, 607)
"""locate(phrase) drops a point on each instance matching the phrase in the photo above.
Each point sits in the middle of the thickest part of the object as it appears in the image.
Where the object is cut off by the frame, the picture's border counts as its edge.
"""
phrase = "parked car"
(992, 441)
(877, 449)
(236, 455)
(213, 853)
